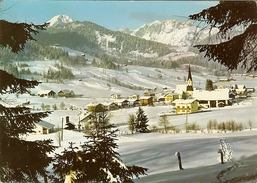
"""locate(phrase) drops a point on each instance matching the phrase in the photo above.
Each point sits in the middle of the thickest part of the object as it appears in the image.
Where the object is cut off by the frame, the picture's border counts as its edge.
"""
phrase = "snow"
(156, 151)
(60, 19)
(172, 32)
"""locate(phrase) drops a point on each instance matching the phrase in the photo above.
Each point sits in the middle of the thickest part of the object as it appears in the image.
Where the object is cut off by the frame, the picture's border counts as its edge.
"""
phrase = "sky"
(113, 15)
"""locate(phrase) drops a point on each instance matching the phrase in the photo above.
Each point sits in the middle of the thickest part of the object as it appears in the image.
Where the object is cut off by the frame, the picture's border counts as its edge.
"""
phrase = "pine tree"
(141, 121)
(20, 160)
(236, 22)
(209, 85)
(18, 156)
(96, 160)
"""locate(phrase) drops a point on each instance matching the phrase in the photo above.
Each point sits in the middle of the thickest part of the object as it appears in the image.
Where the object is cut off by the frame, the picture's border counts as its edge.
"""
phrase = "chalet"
(95, 107)
(46, 93)
(66, 93)
(149, 93)
(134, 102)
(86, 119)
(122, 103)
(146, 100)
(109, 106)
(184, 106)
(69, 125)
(215, 98)
(170, 96)
(43, 127)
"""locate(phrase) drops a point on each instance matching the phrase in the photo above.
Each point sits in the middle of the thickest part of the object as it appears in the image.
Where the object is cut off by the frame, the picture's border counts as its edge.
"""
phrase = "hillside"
(91, 38)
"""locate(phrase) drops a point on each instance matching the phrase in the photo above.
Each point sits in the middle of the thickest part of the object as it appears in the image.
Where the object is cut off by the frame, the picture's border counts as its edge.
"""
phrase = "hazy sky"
(110, 14)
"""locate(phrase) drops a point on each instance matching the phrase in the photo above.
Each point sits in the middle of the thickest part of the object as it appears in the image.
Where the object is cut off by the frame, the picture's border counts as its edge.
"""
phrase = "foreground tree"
(18, 156)
(236, 22)
(20, 160)
(96, 160)
(141, 121)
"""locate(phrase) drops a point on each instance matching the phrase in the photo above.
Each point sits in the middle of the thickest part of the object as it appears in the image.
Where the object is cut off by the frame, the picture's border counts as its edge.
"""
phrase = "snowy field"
(156, 151)
(200, 159)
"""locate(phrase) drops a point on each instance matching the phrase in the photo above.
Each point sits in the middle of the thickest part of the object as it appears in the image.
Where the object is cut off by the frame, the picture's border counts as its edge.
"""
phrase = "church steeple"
(189, 74)
(189, 81)
(189, 78)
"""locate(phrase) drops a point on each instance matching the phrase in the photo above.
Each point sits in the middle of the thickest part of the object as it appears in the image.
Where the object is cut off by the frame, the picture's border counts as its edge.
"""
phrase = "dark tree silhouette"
(15, 35)
(236, 22)
(96, 160)
(209, 85)
(18, 156)
(20, 160)
(141, 121)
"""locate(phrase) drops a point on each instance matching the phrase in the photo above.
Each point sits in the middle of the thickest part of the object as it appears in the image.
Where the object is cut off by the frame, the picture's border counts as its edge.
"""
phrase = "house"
(122, 103)
(184, 106)
(170, 96)
(66, 93)
(134, 102)
(213, 98)
(43, 127)
(69, 125)
(109, 106)
(46, 93)
(146, 100)
(85, 120)
(149, 93)
(95, 107)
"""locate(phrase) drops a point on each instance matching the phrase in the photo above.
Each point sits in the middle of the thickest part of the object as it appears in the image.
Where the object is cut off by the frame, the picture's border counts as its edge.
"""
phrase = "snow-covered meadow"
(156, 151)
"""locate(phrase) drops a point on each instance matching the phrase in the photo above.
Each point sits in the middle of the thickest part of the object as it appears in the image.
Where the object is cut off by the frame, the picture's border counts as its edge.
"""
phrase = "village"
(184, 99)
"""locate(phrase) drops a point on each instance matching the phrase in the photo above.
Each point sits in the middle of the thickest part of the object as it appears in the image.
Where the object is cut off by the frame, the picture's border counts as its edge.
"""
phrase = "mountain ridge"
(59, 19)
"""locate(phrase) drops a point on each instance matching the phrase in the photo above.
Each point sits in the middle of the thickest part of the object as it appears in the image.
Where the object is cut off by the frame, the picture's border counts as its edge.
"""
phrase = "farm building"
(215, 98)
(109, 106)
(122, 103)
(66, 93)
(44, 127)
(69, 125)
(95, 107)
(146, 100)
(46, 93)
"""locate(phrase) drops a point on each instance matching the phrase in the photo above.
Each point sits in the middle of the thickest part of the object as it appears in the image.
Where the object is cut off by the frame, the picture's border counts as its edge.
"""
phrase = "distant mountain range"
(171, 32)
(152, 40)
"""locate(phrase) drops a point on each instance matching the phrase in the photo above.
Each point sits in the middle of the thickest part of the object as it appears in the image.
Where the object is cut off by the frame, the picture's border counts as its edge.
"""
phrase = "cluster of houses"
(185, 99)
(51, 93)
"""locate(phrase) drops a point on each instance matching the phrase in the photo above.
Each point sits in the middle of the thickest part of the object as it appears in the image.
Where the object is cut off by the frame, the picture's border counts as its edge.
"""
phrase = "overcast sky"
(110, 14)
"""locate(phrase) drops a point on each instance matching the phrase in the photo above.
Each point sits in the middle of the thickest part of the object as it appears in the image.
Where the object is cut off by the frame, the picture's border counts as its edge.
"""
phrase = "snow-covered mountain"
(171, 32)
(60, 19)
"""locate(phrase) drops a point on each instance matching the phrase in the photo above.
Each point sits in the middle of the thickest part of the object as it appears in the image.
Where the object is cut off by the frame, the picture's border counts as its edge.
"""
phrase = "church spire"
(189, 74)
(189, 81)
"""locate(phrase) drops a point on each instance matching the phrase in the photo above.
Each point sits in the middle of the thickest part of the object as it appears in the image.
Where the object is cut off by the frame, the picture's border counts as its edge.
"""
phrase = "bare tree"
(163, 121)
(132, 123)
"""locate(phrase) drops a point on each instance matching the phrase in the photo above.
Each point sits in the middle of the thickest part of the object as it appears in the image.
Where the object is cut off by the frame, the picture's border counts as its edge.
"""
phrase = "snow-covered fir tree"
(96, 160)
(141, 121)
